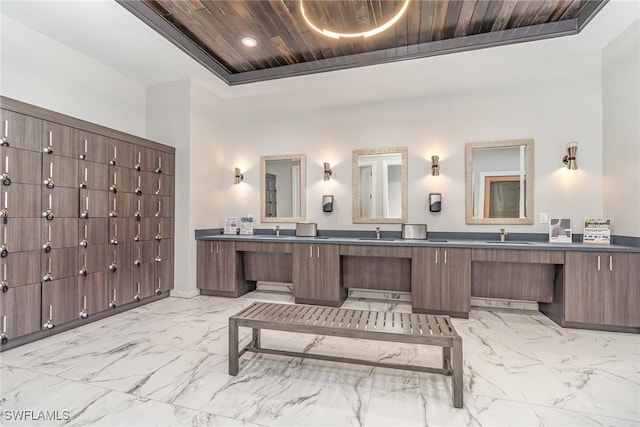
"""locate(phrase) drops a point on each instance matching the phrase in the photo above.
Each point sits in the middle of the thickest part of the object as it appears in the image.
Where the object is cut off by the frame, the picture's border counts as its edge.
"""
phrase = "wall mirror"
(283, 181)
(499, 182)
(380, 185)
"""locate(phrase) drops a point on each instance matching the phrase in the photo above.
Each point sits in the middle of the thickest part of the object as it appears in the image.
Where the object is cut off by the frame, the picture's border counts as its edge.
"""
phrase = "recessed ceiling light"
(249, 42)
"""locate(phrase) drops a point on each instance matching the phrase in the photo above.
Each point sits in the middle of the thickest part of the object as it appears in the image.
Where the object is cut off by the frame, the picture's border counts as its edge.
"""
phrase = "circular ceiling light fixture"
(249, 42)
(365, 34)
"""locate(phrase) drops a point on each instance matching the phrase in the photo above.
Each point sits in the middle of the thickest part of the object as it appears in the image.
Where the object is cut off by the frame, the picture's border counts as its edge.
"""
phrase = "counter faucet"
(503, 235)
(277, 230)
(377, 232)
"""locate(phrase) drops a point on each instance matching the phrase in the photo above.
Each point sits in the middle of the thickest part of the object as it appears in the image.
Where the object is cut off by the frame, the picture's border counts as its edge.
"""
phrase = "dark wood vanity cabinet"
(316, 274)
(602, 288)
(219, 270)
(441, 281)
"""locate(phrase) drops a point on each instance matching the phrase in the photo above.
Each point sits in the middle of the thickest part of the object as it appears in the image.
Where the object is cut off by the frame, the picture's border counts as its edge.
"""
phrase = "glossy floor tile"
(166, 363)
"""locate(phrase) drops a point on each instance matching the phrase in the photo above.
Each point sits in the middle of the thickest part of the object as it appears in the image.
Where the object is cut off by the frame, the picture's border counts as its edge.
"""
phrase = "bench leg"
(446, 358)
(256, 337)
(233, 347)
(456, 351)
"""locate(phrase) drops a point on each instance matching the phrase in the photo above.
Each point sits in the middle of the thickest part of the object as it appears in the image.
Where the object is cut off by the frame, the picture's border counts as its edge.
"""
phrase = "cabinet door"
(120, 179)
(217, 269)
(92, 148)
(122, 205)
(60, 172)
(327, 268)
(21, 201)
(93, 293)
(155, 184)
(21, 268)
(95, 203)
(164, 275)
(622, 289)
(21, 307)
(121, 230)
(20, 131)
(22, 234)
(583, 289)
(121, 154)
(60, 263)
(63, 202)
(95, 258)
(121, 285)
(60, 233)
(144, 158)
(95, 231)
(163, 163)
(93, 176)
(143, 279)
(455, 280)
(60, 300)
(425, 278)
(59, 140)
(21, 166)
(304, 271)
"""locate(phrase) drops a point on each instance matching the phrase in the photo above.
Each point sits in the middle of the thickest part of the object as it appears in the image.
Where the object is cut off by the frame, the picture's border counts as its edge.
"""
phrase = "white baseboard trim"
(375, 294)
(503, 303)
(185, 294)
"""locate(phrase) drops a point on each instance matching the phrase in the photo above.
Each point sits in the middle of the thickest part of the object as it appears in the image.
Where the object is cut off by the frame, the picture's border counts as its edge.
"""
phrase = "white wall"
(189, 117)
(553, 100)
(621, 131)
(41, 71)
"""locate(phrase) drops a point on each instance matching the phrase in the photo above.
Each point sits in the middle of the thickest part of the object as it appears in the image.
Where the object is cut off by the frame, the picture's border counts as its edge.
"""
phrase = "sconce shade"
(435, 165)
(239, 176)
(327, 171)
(569, 159)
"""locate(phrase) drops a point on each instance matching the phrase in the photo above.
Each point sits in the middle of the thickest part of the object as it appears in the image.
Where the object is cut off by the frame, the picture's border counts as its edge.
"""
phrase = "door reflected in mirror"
(380, 185)
(499, 179)
(283, 188)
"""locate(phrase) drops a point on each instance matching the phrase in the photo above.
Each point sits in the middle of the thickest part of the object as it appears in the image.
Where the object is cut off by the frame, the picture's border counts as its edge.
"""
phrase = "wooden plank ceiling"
(211, 30)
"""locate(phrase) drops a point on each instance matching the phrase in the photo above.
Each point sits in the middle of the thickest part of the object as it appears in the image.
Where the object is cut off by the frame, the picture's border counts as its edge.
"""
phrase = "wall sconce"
(327, 171)
(435, 165)
(239, 176)
(569, 159)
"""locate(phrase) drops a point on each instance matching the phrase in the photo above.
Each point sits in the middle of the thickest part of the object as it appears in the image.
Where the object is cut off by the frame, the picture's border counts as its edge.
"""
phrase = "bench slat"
(349, 319)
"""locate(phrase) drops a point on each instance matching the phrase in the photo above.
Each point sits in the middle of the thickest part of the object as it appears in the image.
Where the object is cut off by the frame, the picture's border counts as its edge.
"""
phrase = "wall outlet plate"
(544, 218)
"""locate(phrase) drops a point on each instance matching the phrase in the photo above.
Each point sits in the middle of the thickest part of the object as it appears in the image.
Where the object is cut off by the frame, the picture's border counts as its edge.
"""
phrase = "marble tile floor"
(165, 364)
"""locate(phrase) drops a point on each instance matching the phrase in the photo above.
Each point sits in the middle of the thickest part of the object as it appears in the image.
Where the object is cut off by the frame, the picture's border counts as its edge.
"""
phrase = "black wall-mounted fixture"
(435, 202)
(327, 203)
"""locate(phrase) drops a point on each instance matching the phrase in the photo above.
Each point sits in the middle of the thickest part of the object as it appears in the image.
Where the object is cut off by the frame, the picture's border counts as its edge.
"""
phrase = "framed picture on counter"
(560, 230)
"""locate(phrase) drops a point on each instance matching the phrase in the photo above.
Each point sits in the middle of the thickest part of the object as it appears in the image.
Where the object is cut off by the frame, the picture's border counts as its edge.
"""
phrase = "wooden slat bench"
(372, 325)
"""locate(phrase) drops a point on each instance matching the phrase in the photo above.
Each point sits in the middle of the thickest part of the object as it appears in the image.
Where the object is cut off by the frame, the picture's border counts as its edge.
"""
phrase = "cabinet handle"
(5, 138)
(217, 248)
(211, 247)
(436, 256)
(598, 262)
(310, 251)
(49, 149)
(83, 155)
(6, 180)
(49, 323)
(445, 256)
(317, 251)
(610, 262)
(3, 334)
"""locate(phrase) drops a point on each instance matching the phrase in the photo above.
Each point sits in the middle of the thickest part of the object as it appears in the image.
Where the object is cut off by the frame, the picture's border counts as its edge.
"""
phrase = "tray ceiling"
(211, 31)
